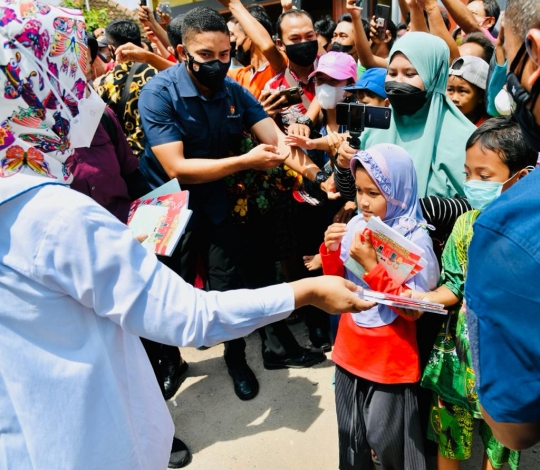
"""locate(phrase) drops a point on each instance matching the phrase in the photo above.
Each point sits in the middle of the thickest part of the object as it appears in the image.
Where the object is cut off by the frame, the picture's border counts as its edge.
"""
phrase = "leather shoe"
(180, 454)
(172, 374)
(246, 385)
(320, 339)
(304, 358)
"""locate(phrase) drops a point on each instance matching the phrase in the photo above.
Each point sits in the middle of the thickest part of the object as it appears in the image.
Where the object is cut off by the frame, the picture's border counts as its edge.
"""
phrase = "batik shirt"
(111, 88)
(449, 371)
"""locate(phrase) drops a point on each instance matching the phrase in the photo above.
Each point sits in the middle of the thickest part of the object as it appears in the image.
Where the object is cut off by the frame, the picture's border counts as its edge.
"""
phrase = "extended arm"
(367, 59)
(437, 26)
(516, 436)
(256, 32)
(131, 52)
(462, 16)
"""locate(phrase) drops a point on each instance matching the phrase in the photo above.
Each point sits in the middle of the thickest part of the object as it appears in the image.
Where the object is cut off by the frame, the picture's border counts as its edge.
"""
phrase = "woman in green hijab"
(424, 121)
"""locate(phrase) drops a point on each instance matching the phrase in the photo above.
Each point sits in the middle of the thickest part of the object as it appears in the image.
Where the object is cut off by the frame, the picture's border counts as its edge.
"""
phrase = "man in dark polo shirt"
(193, 117)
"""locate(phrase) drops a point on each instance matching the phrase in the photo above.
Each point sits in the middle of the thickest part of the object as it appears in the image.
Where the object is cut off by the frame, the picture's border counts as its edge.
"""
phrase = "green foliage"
(94, 18)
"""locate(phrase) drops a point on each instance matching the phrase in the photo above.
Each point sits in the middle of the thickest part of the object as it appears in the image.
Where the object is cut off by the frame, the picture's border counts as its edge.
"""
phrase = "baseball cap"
(338, 65)
(471, 68)
(372, 80)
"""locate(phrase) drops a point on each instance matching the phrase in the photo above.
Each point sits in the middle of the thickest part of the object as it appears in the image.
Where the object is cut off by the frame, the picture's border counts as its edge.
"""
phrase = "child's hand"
(414, 294)
(362, 250)
(333, 236)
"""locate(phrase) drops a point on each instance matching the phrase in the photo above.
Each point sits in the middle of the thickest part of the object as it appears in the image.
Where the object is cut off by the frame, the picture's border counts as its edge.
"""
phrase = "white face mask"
(503, 103)
(329, 96)
(85, 124)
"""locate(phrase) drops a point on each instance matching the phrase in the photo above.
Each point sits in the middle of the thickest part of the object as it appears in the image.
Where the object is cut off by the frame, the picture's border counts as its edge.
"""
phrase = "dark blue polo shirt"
(172, 110)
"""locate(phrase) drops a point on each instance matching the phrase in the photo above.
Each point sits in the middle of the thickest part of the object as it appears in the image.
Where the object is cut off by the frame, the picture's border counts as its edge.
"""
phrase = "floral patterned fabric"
(256, 191)
(111, 87)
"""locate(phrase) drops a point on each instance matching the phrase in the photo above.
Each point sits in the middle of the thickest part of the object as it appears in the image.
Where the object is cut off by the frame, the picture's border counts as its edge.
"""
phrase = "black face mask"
(337, 47)
(405, 99)
(530, 129)
(209, 74)
(242, 56)
(302, 53)
(233, 50)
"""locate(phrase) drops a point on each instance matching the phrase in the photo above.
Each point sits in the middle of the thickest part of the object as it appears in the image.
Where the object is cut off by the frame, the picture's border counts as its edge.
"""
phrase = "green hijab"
(436, 135)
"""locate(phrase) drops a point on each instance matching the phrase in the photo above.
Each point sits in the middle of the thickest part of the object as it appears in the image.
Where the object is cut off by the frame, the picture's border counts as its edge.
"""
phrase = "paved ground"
(290, 425)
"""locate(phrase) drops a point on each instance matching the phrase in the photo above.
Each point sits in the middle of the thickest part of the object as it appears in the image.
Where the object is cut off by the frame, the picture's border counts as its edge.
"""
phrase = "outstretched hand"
(329, 293)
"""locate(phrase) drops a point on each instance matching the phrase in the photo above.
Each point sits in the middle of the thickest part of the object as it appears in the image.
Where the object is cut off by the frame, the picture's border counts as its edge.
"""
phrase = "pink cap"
(338, 65)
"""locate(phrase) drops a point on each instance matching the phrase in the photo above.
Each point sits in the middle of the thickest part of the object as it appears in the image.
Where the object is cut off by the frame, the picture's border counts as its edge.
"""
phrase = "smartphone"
(360, 3)
(382, 12)
(165, 8)
(357, 116)
(143, 3)
(292, 95)
(297, 4)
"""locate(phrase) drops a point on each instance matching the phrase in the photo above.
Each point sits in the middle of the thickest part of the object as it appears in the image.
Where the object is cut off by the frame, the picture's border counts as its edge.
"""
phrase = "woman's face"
(401, 70)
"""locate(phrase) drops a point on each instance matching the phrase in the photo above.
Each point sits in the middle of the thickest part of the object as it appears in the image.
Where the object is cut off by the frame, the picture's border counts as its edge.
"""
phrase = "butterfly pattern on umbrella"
(70, 99)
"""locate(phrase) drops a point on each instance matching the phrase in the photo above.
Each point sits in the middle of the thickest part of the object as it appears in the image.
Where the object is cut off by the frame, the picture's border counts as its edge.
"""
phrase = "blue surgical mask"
(481, 194)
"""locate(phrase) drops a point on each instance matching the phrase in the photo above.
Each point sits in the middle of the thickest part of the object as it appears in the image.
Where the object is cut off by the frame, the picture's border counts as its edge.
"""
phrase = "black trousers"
(234, 256)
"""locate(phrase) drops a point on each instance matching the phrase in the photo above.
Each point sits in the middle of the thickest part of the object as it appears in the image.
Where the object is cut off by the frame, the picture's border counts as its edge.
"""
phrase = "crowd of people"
(248, 115)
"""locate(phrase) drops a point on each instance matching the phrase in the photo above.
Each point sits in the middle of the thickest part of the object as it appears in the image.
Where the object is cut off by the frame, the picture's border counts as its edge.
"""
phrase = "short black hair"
(325, 27)
(202, 20)
(292, 12)
(522, 16)
(482, 40)
(93, 46)
(345, 17)
(260, 14)
(123, 31)
(492, 8)
(174, 31)
(502, 135)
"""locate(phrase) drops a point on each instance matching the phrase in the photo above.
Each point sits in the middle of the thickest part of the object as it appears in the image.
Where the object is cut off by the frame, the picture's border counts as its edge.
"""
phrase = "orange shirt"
(253, 80)
(385, 354)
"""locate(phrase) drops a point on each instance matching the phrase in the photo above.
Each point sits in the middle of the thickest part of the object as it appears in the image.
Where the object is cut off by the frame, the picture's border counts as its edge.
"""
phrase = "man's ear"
(488, 22)
(279, 44)
(181, 51)
(534, 50)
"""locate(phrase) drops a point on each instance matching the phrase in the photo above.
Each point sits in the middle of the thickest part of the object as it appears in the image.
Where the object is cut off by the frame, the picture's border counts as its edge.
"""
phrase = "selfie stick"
(356, 130)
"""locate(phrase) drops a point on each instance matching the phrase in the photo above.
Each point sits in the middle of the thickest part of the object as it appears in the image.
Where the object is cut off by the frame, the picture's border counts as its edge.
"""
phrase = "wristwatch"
(306, 120)
(321, 177)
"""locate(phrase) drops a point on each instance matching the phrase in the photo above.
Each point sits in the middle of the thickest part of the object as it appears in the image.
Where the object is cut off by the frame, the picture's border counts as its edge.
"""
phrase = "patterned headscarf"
(43, 62)
(392, 169)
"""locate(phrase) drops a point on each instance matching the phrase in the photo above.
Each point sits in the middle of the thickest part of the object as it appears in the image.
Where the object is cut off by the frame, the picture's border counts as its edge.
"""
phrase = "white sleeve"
(94, 259)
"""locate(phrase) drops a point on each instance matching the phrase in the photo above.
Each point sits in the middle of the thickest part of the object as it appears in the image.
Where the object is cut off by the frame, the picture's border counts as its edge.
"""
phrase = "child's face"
(482, 164)
(464, 95)
(369, 98)
(368, 196)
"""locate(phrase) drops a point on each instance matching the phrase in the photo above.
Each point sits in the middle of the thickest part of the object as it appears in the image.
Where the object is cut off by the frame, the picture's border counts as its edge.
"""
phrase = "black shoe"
(246, 385)
(172, 375)
(180, 454)
(304, 358)
(320, 339)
